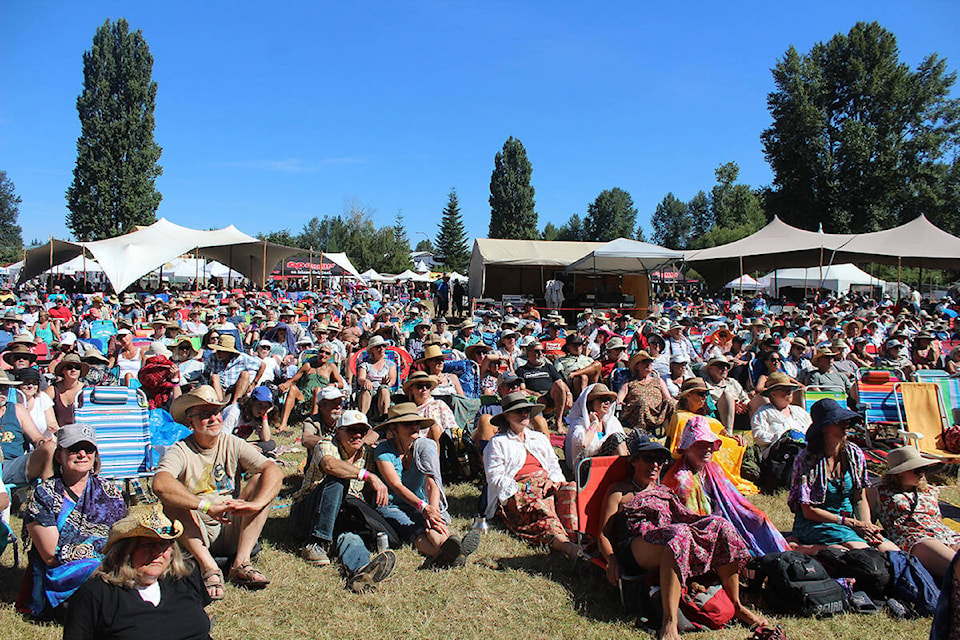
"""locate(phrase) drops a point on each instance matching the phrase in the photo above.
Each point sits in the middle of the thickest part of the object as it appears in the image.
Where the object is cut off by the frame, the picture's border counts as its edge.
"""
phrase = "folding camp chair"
(814, 393)
(595, 476)
(926, 418)
(949, 389)
(120, 417)
(880, 397)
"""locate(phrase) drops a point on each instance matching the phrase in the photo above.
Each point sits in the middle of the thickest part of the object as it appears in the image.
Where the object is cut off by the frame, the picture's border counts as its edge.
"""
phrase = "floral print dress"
(911, 516)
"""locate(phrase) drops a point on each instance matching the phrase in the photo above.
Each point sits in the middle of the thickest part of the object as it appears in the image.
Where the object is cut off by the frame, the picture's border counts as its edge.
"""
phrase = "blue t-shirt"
(411, 477)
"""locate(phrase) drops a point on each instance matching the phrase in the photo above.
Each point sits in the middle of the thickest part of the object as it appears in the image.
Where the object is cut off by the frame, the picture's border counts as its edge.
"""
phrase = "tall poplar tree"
(512, 213)
(11, 239)
(117, 166)
(451, 241)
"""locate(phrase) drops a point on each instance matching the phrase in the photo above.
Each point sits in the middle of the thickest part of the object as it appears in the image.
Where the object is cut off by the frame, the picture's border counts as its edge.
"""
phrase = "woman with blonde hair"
(144, 586)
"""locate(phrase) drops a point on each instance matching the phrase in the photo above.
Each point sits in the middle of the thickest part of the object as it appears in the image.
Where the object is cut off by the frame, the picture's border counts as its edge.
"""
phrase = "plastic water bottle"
(480, 524)
(383, 542)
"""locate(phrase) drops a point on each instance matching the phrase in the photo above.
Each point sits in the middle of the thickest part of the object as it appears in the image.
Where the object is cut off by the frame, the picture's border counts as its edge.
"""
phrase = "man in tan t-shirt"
(198, 482)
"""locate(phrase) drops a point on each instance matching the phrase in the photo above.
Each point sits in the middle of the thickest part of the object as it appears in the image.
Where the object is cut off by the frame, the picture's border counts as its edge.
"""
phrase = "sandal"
(761, 632)
(248, 577)
(213, 583)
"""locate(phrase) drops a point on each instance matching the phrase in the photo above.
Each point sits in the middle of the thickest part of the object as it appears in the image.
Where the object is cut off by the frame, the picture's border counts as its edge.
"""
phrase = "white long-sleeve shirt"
(504, 456)
(769, 423)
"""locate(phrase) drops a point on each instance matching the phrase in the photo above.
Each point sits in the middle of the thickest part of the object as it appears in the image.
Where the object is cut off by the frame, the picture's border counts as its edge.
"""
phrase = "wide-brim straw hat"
(404, 413)
(203, 395)
(779, 380)
(72, 358)
(376, 341)
(638, 357)
(513, 402)
(600, 390)
(224, 343)
(419, 377)
(906, 459)
(15, 352)
(188, 342)
(144, 521)
(823, 353)
(472, 349)
(431, 352)
(691, 385)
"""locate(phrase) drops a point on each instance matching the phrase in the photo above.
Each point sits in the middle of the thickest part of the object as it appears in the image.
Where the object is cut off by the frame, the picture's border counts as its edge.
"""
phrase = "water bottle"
(480, 524)
(383, 542)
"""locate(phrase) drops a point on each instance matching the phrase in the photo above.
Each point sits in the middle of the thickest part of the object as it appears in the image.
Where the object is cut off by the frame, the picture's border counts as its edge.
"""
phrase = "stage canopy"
(624, 256)
(778, 245)
(542, 255)
(129, 257)
(330, 264)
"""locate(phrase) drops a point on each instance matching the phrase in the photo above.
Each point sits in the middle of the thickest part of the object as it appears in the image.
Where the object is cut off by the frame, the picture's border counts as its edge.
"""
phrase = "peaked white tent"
(421, 267)
(625, 256)
(746, 283)
(835, 277)
(129, 257)
(371, 275)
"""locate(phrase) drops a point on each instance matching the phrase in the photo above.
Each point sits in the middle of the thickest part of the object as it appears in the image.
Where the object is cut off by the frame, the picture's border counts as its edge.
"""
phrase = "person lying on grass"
(648, 529)
(409, 464)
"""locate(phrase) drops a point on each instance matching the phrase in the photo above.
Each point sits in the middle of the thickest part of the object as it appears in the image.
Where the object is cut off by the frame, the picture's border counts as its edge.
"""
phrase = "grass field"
(508, 591)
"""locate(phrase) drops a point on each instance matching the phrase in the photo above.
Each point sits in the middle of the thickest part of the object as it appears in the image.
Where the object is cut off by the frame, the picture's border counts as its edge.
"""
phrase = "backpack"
(798, 584)
(776, 470)
(951, 438)
(868, 567)
(912, 584)
(701, 608)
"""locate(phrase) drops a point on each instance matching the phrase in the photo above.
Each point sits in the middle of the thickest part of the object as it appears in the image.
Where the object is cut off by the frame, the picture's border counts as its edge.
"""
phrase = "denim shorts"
(15, 471)
(406, 521)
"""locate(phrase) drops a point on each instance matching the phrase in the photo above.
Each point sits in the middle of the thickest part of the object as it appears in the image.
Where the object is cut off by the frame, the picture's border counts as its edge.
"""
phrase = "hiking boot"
(314, 553)
(377, 570)
(448, 553)
(469, 544)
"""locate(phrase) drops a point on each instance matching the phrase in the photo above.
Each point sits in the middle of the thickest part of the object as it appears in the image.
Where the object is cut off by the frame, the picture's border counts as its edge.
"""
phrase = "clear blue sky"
(271, 113)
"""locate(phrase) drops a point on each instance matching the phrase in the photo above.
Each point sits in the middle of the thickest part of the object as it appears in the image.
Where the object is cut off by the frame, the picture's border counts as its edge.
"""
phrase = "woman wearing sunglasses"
(648, 529)
(524, 482)
(594, 427)
(38, 404)
(692, 401)
(67, 519)
(144, 588)
(67, 389)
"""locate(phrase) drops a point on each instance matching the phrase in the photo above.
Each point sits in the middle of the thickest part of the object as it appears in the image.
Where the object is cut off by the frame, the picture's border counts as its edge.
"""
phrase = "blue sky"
(271, 113)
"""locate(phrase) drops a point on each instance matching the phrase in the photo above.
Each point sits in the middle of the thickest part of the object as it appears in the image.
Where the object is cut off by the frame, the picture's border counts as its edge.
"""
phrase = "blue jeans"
(406, 521)
(352, 552)
(330, 493)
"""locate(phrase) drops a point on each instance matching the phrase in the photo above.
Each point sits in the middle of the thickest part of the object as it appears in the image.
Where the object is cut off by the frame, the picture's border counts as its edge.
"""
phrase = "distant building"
(422, 256)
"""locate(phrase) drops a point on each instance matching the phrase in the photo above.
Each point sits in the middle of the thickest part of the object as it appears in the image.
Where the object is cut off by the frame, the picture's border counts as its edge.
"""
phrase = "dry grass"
(509, 590)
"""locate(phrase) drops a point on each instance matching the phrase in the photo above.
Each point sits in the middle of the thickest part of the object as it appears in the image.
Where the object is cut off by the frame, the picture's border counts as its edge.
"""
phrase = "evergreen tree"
(425, 245)
(572, 229)
(671, 223)
(11, 239)
(701, 215)
(550, 232)
(117, 166)
(451, 243)
(611, 216)
(512, 213)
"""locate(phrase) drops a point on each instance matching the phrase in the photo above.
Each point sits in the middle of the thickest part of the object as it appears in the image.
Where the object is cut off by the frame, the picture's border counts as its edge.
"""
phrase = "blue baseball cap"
(262, 393)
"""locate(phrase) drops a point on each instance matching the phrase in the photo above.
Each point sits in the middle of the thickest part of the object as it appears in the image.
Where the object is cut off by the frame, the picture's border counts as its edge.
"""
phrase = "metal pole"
(230, 266)
(196, 269)
(263, 270)
(899, 264)
(741, 276)
(310, 268)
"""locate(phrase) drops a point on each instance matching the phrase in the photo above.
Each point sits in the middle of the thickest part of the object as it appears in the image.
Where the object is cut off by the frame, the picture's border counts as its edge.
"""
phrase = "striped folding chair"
(120, 417)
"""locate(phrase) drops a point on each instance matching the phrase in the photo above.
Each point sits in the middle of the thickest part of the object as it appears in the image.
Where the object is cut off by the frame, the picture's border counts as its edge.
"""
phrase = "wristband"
(363, 475)
(841, 521)
(421, 506)
(204, 505)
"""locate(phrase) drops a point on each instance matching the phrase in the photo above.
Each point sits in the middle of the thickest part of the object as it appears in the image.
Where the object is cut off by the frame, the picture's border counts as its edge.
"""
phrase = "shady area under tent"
(918, 243)
(127, 258)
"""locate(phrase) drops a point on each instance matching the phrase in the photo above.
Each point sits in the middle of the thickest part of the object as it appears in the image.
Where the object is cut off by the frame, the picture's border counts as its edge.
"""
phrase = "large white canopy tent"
(516, 259)
(834, 277)
(127, 258)
(624, 256)
(746, 283)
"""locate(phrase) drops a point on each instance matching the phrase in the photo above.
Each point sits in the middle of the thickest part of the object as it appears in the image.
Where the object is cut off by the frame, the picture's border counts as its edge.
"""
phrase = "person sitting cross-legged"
(198, 482)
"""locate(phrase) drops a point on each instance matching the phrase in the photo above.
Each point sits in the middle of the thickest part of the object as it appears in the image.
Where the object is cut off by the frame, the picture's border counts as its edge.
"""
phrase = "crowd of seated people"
(396, 403)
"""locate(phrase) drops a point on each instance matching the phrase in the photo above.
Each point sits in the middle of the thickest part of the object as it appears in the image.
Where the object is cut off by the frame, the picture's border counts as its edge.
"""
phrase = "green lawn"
(509, 590)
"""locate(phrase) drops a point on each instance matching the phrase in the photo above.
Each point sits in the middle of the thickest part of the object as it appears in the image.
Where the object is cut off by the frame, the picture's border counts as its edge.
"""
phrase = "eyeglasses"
(205, 414)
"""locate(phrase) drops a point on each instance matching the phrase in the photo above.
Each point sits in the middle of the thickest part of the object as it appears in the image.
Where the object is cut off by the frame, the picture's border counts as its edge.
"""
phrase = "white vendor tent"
(129, 257)
(835, 277)
(371, 275)
(624, 256)
(746, 283)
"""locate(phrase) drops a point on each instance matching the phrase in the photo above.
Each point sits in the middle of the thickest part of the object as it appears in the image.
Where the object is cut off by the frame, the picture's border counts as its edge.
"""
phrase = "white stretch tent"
(534, 259)
(129, 257)
(746, 283)
(371, 275)
(835, 277)
(624, 256)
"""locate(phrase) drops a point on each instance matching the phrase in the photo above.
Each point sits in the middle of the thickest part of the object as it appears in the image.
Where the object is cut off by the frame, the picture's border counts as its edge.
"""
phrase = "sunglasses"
(525, 411)
(158, 545)
(538, 351)
(702, 394)
(653, 458)
(87, 447)
(203, 415)
(29, 384)
(420, 386)
(357, 431)
(774, 359)
(72, 367)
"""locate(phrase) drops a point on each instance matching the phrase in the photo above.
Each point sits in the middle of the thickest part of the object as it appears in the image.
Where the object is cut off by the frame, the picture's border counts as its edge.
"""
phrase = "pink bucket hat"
(696, 430)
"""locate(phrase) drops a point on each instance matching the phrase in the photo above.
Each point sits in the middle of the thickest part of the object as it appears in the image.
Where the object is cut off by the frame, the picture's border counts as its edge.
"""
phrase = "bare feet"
(749, 618)
(669, 633)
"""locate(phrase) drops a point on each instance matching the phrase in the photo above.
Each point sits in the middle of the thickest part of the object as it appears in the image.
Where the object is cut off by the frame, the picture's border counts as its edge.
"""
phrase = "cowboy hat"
(616, 342)
(638, 357)
(72, 359)
(825, 352)
(203, 395)
(404, 413)
(472, 349)
(144, 521)
(417, 378)
(906, 459)
(513, 402)
(93, 354)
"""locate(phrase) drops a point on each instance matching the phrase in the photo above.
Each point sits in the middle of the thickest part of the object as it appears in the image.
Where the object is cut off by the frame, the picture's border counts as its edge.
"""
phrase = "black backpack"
(776, 469)
(868, 567)
(797, 584)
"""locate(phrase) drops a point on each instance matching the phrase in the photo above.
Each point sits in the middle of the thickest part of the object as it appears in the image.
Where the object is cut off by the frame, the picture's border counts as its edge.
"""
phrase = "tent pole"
(263, 270)
(899, 260)
(741, 276)
(84, 269)
(310, 269)
(230, 266)
(196, 268)
(51, 250)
